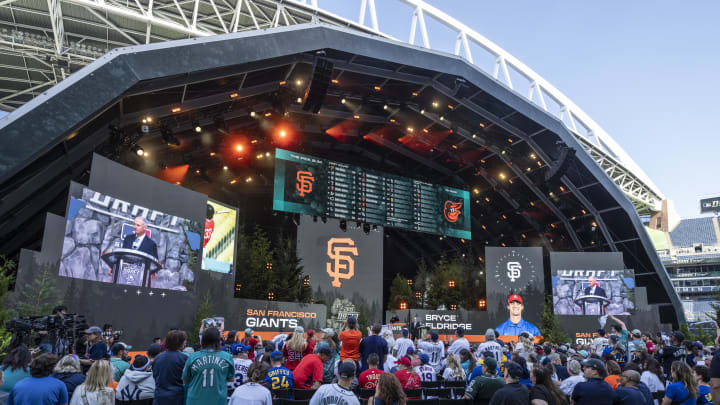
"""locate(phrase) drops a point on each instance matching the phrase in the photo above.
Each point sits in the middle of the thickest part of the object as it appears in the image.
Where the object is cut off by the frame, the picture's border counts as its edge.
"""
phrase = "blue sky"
(647, 71)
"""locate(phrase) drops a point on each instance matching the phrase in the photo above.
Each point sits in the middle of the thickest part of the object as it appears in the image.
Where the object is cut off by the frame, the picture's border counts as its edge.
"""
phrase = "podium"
(130, 266)
(592, 304)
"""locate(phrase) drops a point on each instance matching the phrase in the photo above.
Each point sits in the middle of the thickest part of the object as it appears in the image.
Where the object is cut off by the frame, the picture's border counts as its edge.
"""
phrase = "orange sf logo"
(452, 211)
(304, 182)
(343, 265)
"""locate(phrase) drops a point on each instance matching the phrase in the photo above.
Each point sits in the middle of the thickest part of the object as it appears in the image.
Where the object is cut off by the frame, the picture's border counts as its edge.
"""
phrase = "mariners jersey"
(279, 378)
(492, 347)
(401, 345)
(241, 370)
(435, 351)
(426, 373)
(510, 329)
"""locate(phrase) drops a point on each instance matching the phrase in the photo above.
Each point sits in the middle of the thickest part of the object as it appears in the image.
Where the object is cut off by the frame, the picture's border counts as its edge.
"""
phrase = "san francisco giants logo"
(513, 271)
(304, 182)
(343, 266)
(452, 211)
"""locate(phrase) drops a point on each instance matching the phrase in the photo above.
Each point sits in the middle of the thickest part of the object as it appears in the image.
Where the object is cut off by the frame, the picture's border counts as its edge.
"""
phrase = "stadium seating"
(693, 230)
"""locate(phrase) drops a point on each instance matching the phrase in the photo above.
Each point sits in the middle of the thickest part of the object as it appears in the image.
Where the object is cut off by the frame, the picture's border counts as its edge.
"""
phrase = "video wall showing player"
(219, 242)
(115, 241)
(593, 283)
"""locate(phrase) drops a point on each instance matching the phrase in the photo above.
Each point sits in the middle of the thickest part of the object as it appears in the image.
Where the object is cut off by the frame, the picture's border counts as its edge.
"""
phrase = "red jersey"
(408, 379)
(252, 342)
(368, 378)
(293, 357)
(209, 228)
(350, 348)
(308, 371)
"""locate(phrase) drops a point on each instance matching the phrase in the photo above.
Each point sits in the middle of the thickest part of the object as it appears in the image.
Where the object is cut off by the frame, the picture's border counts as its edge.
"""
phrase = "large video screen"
(219, 242)
(591, 284)
(314, 186)
(115, 241)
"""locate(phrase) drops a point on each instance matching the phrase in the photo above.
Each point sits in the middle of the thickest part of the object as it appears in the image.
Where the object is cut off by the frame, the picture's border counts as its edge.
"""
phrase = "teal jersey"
(208, 372)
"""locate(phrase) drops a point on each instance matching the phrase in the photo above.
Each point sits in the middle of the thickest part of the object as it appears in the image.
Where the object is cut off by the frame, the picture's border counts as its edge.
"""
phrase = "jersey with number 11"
(208, 372)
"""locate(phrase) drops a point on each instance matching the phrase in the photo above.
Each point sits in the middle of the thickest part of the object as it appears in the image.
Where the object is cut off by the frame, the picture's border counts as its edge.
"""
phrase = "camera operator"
(48, 338)
(97, 349)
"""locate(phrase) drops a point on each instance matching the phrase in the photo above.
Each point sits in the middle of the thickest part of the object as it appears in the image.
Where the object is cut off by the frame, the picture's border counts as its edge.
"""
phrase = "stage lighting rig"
(196, 126)
(139, 150)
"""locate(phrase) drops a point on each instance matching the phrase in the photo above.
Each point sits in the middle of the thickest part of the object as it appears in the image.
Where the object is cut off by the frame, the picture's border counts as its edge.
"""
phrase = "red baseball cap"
(310, 332)
(515, 297)
(404, 361)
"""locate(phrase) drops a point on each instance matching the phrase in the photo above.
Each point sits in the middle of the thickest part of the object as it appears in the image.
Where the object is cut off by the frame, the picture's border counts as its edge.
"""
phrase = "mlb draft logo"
(339, 250)
(304, 183)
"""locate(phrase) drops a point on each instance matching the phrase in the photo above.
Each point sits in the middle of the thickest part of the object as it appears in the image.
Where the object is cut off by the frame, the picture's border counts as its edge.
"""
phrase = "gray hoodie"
(135, 384)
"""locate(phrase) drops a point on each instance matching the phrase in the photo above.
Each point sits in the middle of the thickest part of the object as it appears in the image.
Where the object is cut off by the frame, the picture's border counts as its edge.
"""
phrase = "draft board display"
(345, 268)
(220, 238)
(515, 285)
(325, 188)
(710, 205)
(591, 283)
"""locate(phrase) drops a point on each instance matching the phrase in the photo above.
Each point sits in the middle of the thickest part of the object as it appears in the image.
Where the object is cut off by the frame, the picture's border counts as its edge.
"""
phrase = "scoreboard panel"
(314, 186)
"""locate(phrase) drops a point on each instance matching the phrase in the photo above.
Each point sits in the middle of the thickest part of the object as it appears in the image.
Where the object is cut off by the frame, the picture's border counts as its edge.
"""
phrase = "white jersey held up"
(492, 347)
(435, 352)
(459, 344)
(401, 345)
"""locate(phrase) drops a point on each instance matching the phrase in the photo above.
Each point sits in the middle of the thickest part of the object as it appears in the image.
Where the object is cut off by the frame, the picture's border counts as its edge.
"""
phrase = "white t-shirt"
(436, 352)
(401, 345)
(241, 370)
(599, 344)
(277, 340)
(333, 394)
(389, 363)
(652, 381)
(251, 394)
(492, 347)
(458, 345)
(568, 385)
(449, 375)
(426, 372)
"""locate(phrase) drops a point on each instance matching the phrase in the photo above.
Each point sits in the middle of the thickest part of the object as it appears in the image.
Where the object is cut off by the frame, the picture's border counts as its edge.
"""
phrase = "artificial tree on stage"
(7, 277)
(400, 292)
(551, 327)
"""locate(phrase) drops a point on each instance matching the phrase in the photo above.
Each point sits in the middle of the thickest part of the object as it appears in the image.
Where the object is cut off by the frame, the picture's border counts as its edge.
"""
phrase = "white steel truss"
(41, 42)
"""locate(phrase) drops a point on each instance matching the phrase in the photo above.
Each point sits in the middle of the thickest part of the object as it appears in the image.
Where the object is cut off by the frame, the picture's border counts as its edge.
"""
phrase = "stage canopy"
(388, 105)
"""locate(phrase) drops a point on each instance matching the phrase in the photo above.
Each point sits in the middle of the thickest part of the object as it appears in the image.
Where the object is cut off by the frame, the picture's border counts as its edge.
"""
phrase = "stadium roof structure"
(43, 42)
(393, 106)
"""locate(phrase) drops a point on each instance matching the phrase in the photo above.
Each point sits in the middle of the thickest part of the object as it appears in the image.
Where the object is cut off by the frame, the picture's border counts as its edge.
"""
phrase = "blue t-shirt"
(629, 396)
(372, 344)
(11, 377)
(98, 351)
(167, 369)
(508, 328)
(279, 378)
(677, 392)
(594, 391)
(38, 391)
(704, 397)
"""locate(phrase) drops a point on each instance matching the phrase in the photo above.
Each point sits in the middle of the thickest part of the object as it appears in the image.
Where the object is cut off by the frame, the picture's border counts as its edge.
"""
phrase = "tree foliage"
(7, 277)
(203, 310)
(40, 297)
(551, 327)
(400, 291)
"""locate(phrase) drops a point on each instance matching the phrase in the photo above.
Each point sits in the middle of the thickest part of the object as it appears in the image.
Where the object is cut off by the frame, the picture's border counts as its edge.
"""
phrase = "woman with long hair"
(525, 378)
(614, 371)
(544, 390)
(453, 370)
(69, 371)
(388, 391)
(95, 390)
(652, 375)
(467, 361)
(294, 349)
(15, 367)
(684, 388)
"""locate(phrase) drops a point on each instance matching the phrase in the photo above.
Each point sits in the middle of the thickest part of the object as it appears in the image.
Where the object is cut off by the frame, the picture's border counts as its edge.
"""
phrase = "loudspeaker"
(318, 85)
(561, 165)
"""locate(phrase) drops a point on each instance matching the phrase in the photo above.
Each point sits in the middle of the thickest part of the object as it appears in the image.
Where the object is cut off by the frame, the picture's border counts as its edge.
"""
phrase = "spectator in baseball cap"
(340, 392)
(278, 375)
(460, 342)
(350, 338)
(153, 351)
(595, 390)
(119, 359)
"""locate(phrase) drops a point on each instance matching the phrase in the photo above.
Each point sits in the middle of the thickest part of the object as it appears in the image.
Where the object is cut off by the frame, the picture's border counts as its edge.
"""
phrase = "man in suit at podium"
(594, 288)
(139, 240)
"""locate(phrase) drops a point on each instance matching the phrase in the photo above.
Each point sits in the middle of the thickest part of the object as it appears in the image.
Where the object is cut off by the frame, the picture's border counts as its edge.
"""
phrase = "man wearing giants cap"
(515, 325)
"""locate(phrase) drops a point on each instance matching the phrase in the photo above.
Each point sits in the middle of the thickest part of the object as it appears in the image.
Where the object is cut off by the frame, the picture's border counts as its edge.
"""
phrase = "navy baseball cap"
(424, 358)
(346, 369)
(351, 320)
(276, 356)
(460, 330)
(514, 370)
(433, 335)
(410, 350)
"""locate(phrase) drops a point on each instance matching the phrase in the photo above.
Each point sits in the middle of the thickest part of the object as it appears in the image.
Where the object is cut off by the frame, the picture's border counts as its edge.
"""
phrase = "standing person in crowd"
(424, 370)
(684, 389)
(250, 340)
(671, 353)
(490, 345)
(627, 392)
(568, 385)
(278, 340)
(241, 364)
(295, 349)
(460, 342)
(408, 378)
(483, 387)
(387, 334)
(512, 393)
(614, 371)
(544, 390)
(168, 368)
(620, 330)
(339, 393)
(119, 359)
(39, 388)
(95, 389)
(137, 383)
(15, 367)
(559, 371)
(434, 349)
(309, 373)
(350, 338)
(153, 351)
(68, 371)
(467, 362)
(3, 395)
(252, 392)
(368, 378)
(402, 344)
(594, 391)
(453, 370)
(388, 391)
(97, 349)
(702, 376)
(373, 344)
(652, 375)
(207, 371)
(278, 377)
(600, 343)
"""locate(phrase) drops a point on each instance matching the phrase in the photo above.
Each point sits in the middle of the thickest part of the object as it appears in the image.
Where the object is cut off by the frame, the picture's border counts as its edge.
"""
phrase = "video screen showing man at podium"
(593, 292)
(115, 241)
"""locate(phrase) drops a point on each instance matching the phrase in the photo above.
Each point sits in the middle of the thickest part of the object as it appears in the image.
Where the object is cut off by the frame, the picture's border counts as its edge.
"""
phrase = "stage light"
(239, 148)
(146, 154)
(392, 120)
(177, 182)
(414, 94)
(234, 95)
(225, 168)
(410, 282)
(474, 136)
(482, 304)
(282, 82)
(252, 114)
(527, 169)
(298, 82)
(377, 88)
(524, 236)
(267, 114)
(259, 156)
(487, 199)
(594, 224)
(299, 100)
(212, 153)
(482, 125)
(385, 107)
(248, 180)
(335, 81)
(343, 101)
(450, 106)
(453, 307)
(357, 117)
(197, 127)
(532, 156)
(175, 110)
(476, 191)
(306, 281)
(435, 104)
(502, 176)
(410, 129)
(539, 163)
(562, 189)
(403, 305)
(267, 154)
(510, 140)
(233, 181)
(283, 133)
(268, 266)
(532, 204)
(451, 283)
(422, 111)
(139, 151)
(418, 295)
(483, 227)
(442, 118)
(271, 296)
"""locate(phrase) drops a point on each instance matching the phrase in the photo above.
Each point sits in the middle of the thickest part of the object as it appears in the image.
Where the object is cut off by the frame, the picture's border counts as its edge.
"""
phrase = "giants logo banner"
(345, 267)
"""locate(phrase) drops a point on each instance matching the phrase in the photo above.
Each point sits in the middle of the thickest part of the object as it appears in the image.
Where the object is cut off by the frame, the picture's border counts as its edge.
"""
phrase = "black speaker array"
(318, 85)
(561, 165)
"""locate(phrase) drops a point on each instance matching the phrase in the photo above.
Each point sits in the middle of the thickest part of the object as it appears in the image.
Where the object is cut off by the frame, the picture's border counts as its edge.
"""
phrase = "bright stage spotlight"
(239, 148)
(196, 126)
(139, 150)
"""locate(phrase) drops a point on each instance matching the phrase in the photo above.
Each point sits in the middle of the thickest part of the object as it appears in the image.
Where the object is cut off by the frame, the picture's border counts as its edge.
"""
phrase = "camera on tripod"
(61, 331)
